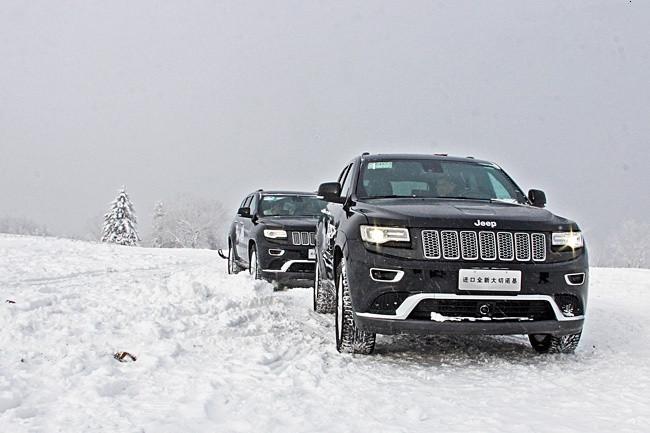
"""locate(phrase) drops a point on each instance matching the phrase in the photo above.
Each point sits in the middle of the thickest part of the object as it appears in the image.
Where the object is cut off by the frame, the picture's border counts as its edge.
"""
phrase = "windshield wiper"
(387, 196)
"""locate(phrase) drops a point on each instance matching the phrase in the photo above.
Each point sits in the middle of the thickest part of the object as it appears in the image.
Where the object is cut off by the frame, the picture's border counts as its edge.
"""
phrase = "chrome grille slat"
(431, 244)
(486, 245)
(505, 246)
(468, 245)
(303, 238)
(450, 250)
(522, 247)
(538, 244)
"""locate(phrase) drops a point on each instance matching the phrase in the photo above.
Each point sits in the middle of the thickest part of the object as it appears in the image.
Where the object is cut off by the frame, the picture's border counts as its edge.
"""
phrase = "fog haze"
(220, 98)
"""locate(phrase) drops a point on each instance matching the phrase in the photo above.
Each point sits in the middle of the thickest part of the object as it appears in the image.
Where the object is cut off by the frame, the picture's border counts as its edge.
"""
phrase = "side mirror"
(331, 191)
(537, 197)
(244, 212)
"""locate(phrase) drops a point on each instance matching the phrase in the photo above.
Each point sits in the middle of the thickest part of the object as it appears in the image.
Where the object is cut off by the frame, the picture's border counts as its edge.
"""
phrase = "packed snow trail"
(219, 353)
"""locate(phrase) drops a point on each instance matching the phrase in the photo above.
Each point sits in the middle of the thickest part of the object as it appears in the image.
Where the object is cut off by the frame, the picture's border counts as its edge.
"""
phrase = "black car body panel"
(286, 260)
(548, 302)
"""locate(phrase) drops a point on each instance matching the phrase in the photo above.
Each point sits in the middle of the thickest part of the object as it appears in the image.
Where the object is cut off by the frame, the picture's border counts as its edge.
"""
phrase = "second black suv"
(441, 245)
(272, 236)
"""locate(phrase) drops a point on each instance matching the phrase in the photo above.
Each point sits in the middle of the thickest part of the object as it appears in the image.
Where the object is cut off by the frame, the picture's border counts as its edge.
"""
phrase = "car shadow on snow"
(462, 350)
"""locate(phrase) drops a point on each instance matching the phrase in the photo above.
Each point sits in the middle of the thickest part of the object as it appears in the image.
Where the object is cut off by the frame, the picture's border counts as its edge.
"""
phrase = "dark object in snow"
(221, 254)
(9, 301)
(124, 357)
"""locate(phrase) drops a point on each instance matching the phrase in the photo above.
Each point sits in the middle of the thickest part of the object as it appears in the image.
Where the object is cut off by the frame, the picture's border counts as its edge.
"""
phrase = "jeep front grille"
(486, 245)
(303, 238)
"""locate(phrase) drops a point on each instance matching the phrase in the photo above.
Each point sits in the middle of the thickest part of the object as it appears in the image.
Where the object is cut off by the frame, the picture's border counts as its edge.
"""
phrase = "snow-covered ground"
(219, 353)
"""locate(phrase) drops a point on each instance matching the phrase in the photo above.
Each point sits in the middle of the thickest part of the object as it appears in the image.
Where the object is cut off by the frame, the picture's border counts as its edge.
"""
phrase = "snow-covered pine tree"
(158, 225)
(120, 222)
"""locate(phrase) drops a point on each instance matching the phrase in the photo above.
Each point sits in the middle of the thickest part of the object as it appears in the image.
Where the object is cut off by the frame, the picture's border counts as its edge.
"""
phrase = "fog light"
(569, 305)
(276, 252)
(575, 279)
(386, 275)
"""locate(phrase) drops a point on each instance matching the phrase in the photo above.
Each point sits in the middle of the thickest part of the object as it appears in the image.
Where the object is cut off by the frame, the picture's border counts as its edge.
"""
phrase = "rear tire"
(324, 298)
(349, 338)
(254, 264)
(546, 343)
(233, 267)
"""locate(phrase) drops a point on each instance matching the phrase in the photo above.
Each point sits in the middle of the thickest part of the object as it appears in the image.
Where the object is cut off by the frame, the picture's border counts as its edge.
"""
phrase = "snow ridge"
(224, 353)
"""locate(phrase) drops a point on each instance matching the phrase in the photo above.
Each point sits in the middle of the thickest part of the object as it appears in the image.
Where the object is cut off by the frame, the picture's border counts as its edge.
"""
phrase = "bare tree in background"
(21, 226)
(629, 246)
(188, 222)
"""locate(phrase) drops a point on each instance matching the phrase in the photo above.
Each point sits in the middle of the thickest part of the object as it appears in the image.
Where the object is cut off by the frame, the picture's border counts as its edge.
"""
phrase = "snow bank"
(218, 353)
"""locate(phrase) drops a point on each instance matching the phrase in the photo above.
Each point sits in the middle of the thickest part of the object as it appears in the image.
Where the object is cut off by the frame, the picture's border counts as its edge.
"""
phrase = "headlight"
(381, 235)
(275, 234)
(568, 239)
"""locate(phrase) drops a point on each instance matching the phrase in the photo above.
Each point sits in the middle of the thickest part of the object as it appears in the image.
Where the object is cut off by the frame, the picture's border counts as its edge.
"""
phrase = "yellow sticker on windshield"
(379, 165)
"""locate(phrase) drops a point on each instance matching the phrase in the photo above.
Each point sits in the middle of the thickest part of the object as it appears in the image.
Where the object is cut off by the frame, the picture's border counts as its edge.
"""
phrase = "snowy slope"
(219, 353)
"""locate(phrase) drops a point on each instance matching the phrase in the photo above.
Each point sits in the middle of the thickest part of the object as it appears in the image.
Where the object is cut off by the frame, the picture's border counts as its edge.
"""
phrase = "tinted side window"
(247, 202)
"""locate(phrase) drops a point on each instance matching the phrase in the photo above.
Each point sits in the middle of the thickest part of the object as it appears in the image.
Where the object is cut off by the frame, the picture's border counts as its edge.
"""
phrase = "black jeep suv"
(440, 245)
(272, 235)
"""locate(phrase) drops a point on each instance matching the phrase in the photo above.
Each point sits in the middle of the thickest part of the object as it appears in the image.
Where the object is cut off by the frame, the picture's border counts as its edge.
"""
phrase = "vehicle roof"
(440, 157)
(286, 192)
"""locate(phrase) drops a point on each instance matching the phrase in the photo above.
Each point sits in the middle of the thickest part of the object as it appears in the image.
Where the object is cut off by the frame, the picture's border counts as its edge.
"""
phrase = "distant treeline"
(21, 226)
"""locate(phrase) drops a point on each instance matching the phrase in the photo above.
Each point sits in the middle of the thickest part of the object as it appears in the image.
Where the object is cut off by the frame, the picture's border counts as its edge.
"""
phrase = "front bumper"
(438, 280)
(294, 264)
(391, 326)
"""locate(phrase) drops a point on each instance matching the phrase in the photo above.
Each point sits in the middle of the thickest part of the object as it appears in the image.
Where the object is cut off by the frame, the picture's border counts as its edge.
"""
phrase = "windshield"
(290, 205)
(433, 178)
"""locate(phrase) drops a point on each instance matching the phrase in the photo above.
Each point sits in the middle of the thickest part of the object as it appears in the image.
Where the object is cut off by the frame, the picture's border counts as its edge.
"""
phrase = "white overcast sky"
(219, 98)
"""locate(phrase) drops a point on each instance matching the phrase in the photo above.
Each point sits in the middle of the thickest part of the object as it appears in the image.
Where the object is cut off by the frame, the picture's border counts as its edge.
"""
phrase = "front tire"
(254, 264)
(324, 299)
(546, 343)
(349, 338)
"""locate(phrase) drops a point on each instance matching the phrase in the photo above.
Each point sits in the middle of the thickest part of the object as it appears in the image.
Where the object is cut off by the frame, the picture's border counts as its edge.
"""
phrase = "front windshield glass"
(290, 205)
(434, 178)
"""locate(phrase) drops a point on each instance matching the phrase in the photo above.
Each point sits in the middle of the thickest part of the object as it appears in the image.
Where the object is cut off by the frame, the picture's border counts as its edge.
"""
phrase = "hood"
(469, 214)
(290, 223)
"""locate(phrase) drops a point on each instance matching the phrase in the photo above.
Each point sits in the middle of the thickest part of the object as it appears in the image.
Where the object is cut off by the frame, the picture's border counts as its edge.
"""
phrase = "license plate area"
(489, 280)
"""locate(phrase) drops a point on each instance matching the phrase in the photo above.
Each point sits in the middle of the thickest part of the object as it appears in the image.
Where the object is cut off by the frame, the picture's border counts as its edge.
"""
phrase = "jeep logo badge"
(479, 223)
